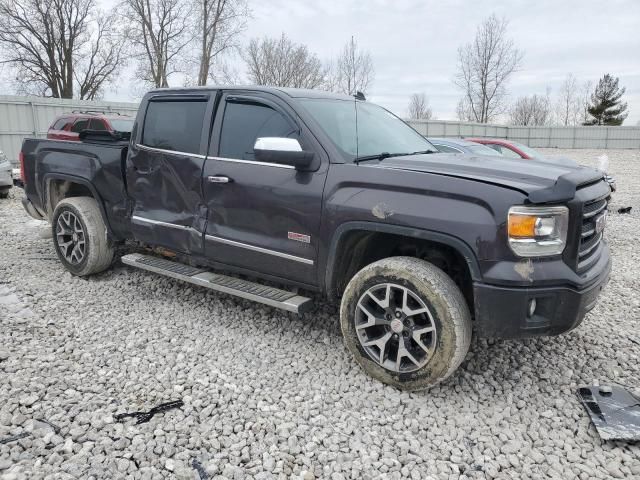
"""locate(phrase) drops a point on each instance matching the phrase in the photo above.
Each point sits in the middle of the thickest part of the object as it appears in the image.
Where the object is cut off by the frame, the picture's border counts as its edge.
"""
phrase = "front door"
(262, 217)
(164, 171)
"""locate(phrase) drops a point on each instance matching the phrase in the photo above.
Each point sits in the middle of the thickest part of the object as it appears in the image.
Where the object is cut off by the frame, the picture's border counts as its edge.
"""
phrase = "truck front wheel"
(406, 322)
(80, 236)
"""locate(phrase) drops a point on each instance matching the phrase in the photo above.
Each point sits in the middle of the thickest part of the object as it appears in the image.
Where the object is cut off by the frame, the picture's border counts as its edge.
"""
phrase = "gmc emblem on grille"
(601, 221)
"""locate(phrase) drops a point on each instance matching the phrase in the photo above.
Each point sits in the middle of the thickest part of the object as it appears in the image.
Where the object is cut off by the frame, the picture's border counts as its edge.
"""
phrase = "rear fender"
(47, 200)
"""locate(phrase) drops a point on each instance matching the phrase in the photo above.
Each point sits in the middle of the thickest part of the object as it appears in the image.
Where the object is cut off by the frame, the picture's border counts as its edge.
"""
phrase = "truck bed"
(98, 165)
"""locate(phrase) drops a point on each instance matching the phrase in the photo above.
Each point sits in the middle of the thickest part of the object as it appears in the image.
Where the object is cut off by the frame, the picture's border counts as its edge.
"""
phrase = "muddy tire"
(80, 236)
(406, 322)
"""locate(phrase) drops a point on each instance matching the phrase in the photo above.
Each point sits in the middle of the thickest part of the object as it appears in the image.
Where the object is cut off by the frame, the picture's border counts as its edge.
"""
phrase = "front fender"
(451, 241)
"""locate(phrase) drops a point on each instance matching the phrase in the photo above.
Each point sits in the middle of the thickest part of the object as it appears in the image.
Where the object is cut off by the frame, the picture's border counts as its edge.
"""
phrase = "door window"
(97, 124)
(80, 125)
(174, 125)
(243, 123)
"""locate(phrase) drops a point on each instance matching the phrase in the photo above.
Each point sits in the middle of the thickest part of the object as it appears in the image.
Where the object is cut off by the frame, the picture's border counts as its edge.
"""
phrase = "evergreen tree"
(605, 106)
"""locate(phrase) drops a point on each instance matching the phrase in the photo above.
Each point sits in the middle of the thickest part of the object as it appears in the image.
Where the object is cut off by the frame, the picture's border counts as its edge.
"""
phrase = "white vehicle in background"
(6, 177)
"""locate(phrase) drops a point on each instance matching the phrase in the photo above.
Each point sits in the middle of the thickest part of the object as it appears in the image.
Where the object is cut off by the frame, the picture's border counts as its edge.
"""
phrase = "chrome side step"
(273, 297)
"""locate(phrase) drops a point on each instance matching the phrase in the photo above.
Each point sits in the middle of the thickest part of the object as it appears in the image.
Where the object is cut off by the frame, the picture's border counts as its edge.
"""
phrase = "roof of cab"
(291, 92)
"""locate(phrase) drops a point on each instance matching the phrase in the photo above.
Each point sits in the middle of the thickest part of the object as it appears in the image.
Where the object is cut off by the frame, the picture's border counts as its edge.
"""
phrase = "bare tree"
(419, 108)
(569, 104)
(58, 44)
(585, 102)
(219, 25)
(103, 61)
(159, 31)
(283, 63)
(484, 68)
(531, 111)
(464, 111)
(353, 71)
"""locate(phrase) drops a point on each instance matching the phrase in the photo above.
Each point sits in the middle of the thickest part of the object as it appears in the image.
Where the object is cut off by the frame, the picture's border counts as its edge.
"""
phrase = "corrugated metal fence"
(31, 116)
(544, 137)
(22, 117)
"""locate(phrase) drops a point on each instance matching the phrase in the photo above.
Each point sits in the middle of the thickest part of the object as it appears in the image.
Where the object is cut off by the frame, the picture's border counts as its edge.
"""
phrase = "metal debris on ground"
(56, 429)
(200, 469)
(144, 417)
(14, 438)
(624, 210)
(613, 410)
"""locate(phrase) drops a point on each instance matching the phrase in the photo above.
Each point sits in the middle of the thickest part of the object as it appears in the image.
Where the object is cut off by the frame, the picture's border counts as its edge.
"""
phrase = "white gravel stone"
(271, 395)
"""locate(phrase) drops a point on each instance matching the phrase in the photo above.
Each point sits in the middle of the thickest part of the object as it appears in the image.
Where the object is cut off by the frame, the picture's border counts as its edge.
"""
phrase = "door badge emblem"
(299, 237)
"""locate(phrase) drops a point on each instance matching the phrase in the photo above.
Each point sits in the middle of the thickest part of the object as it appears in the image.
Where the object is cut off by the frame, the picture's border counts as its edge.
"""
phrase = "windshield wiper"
(383, 155)
(377, 156)
(422, 152)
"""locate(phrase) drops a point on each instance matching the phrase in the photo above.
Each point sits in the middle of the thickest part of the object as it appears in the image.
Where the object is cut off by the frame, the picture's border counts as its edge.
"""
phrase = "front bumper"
(503, 312)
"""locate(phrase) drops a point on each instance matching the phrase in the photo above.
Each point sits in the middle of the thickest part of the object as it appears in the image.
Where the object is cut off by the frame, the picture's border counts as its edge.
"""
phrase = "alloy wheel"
(70, 237)
(395, 327)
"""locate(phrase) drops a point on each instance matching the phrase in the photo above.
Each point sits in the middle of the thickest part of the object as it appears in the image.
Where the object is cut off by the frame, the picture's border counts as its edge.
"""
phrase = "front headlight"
(537, 231)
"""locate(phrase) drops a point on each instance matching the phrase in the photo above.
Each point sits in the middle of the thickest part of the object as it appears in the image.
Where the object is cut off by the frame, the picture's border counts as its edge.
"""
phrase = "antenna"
(355, 108)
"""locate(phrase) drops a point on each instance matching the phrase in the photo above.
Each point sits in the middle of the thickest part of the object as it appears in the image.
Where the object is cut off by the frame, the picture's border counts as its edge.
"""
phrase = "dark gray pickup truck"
(310, 191)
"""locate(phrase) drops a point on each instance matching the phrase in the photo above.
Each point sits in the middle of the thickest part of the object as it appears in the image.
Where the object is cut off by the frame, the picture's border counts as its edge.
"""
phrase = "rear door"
(262, 217)
(164, 171)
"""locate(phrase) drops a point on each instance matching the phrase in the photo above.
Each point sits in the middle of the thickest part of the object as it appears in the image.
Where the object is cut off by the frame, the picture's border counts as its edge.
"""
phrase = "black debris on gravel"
(144, 417)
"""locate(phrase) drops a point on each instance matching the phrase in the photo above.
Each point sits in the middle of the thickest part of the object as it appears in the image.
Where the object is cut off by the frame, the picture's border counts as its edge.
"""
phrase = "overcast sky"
(414, 43)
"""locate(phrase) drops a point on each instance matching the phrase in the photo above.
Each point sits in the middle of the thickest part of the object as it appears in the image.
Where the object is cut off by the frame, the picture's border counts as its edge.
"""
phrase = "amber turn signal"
(522, 226)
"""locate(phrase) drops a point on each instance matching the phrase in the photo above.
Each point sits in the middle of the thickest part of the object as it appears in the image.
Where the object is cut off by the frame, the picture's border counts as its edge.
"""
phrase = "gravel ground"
(272, 395)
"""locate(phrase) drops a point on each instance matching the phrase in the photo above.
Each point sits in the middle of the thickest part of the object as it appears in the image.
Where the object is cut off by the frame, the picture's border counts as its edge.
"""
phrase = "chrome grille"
(590, 240)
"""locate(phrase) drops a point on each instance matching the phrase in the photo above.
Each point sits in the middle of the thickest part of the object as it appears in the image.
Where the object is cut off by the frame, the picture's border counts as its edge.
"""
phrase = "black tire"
(4, 193)
(446, 317)
(97, 253)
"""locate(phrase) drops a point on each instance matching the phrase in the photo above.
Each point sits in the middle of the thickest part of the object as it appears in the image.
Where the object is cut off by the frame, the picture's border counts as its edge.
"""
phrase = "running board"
(273, 297)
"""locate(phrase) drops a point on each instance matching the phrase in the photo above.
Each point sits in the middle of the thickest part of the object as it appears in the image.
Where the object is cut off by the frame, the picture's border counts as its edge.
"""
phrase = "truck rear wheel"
(80, 236)
(406, 322)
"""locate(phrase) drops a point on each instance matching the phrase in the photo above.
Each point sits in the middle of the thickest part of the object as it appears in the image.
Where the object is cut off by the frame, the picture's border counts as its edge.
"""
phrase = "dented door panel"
(168, 207)
(164, 171)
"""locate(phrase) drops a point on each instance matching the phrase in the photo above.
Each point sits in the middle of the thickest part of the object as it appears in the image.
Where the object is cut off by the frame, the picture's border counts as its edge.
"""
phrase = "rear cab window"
(174, 124)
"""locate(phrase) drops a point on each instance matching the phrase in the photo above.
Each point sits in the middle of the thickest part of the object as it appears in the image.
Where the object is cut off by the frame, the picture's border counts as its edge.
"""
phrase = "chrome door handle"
(218, 179)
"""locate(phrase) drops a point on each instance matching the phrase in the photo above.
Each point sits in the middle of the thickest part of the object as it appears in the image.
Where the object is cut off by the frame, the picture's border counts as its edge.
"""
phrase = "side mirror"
(285, 151)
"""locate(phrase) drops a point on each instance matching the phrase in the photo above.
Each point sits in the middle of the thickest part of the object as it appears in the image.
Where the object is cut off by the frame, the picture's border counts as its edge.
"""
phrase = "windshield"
(121, 125)
(377, 130)
(528, 150)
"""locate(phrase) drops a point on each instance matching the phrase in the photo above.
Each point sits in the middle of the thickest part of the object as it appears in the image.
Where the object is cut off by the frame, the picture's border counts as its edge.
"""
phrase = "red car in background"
(511, 149)
(69, 126)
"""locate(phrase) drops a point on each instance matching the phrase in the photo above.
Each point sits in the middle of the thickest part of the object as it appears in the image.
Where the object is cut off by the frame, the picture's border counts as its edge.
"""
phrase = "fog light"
(532, 306)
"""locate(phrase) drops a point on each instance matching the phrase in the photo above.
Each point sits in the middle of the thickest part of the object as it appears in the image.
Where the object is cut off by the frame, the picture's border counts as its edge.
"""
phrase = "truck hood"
(542, 181)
